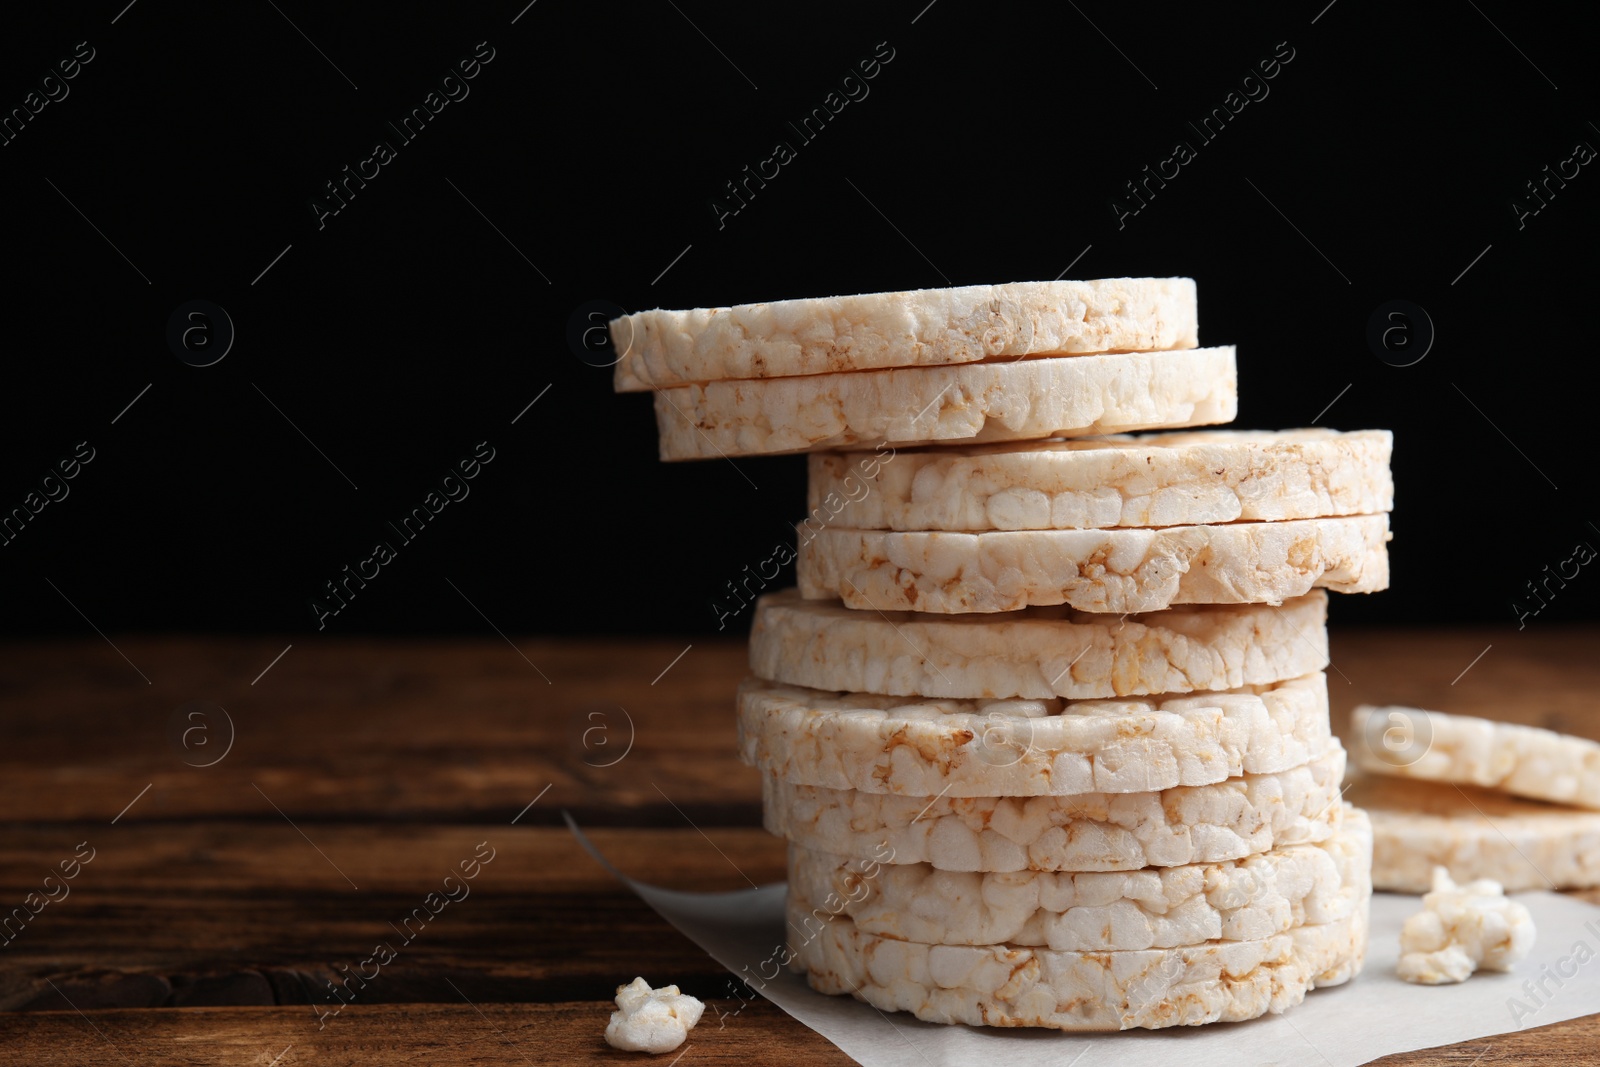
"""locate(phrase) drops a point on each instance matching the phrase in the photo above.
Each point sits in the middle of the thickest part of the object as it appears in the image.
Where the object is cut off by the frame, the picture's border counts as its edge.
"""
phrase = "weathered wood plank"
(468, 731)
(217, 914)
(450, 1033)
(562, 1033)
(254, 913)
(383, 731)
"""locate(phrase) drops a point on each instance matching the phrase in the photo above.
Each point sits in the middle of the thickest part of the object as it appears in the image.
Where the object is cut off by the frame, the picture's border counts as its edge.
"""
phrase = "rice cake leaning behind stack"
(1525, 761)
(1483, 799)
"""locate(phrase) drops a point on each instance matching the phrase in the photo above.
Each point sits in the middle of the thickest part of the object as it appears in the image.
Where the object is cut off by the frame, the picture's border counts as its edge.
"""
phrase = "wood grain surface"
(222, 900)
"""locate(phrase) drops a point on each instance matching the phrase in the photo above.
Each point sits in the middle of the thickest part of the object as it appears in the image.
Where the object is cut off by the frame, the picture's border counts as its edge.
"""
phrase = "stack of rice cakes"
(1045, 723)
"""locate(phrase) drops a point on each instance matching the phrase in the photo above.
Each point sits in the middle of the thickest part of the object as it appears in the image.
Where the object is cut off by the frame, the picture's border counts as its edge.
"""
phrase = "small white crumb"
(1461, 929)
(651, 1020)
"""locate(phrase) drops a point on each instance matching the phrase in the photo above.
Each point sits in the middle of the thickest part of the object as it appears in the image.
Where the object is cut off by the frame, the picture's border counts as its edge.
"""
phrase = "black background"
(415, 323)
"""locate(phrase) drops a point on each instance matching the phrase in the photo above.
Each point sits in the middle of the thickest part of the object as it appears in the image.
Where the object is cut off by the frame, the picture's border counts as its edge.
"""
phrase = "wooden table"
(221, 900)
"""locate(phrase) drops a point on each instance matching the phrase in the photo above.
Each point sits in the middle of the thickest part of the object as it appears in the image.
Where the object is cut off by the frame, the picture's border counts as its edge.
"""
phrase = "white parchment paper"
(1374, 1015)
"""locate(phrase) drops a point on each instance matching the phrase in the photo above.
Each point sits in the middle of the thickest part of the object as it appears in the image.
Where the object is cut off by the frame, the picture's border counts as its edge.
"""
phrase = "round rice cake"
(1094, 570)
(1475, 833)
(987, 748)
(923, 327)
(1008, 985)
(1163, 907)
(1526, 761)
(1230, 820)
(1168, 479)
(1063, 396)
(1036, 653)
